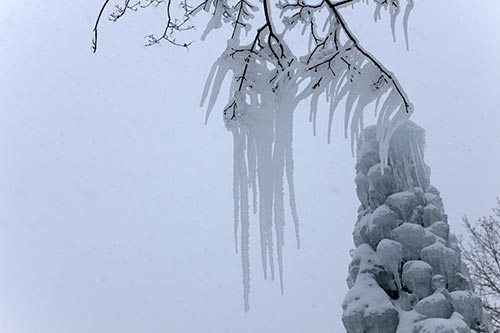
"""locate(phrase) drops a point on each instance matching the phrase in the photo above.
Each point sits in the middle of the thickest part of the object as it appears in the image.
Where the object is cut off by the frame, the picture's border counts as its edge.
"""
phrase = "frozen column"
(406, 273)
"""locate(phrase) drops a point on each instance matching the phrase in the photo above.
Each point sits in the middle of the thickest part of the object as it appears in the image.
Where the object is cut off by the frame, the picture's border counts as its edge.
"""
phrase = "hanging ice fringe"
(268, 83)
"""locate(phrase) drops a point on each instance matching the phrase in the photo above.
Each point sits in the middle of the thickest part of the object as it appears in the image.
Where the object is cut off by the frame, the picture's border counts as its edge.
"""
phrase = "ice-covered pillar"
(406, 273)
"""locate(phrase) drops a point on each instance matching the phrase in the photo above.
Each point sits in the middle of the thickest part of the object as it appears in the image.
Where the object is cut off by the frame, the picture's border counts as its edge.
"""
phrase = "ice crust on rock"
(440, 229)
(417, 276)
(414, 238)
(390, 254)
(406, 274)
(436, 305)
(468, 305)
(432, 214)
(382, 221)
(380, 184)
(367, 308)
(454, 324)
(404, 203)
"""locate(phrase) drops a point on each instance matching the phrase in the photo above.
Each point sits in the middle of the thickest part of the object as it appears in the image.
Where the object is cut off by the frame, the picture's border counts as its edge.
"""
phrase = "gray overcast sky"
(115, 199)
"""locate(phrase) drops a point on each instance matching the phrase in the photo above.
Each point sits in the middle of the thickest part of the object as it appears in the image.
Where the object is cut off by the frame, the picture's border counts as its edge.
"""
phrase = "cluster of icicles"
(261, 121)
(260, 112)
(263, 158)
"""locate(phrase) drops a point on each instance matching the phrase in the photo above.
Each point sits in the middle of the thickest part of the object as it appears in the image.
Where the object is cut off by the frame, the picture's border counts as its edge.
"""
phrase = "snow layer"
(406, 274)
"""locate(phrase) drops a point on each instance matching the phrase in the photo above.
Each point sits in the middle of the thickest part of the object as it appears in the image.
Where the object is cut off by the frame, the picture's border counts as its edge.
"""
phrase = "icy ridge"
(406, 274)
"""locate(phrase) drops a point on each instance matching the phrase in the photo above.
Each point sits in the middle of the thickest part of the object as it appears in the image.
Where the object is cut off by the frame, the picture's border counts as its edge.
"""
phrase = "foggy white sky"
(115, 199)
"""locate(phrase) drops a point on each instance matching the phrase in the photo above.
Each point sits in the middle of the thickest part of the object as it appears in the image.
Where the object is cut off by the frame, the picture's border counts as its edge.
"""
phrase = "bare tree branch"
(354, 40)
(94, 37)
(482, 254)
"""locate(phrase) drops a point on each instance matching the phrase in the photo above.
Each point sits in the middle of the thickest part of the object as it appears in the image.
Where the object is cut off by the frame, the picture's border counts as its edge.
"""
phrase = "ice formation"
(269, 81)
(406, 274)
(268, 78)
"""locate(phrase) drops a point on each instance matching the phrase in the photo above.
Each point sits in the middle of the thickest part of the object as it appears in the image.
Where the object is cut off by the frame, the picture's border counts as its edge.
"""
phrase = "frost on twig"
(268, 80)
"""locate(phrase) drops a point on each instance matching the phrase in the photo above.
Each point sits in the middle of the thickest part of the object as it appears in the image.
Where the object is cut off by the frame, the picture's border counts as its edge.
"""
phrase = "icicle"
(390, 102)
(394, 15)
(357, 121)
(313, 111)
(279, 210)
(420, 154)
(209, 81)
(352, 97)
(331, 111)
(377, 102)
(406, 16)
(304, 29)
(291, 190)
(216, 20)
(288, 151)
(245, 224)
(334, 102)
(215, 83)
(415, 159)
(236, 188)
(399, 118)
(242, 189)
(265, 141)
(327, 23)
(252, 169)
(264, 156)
(376, 13)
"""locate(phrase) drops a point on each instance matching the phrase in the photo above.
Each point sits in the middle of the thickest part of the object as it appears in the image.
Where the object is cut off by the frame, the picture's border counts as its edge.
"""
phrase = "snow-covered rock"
(434, 199)
(403, 203)
(417, 277)
(382, 221)
(434, 306)
(440, 229)
(368, 309)
(431, 215)
(414, 238)
(359, 233)
(444, 261)
(390, 254)
(469, 306)
(454, 324)
(362, 189)
(417, 216)
(364, 259)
